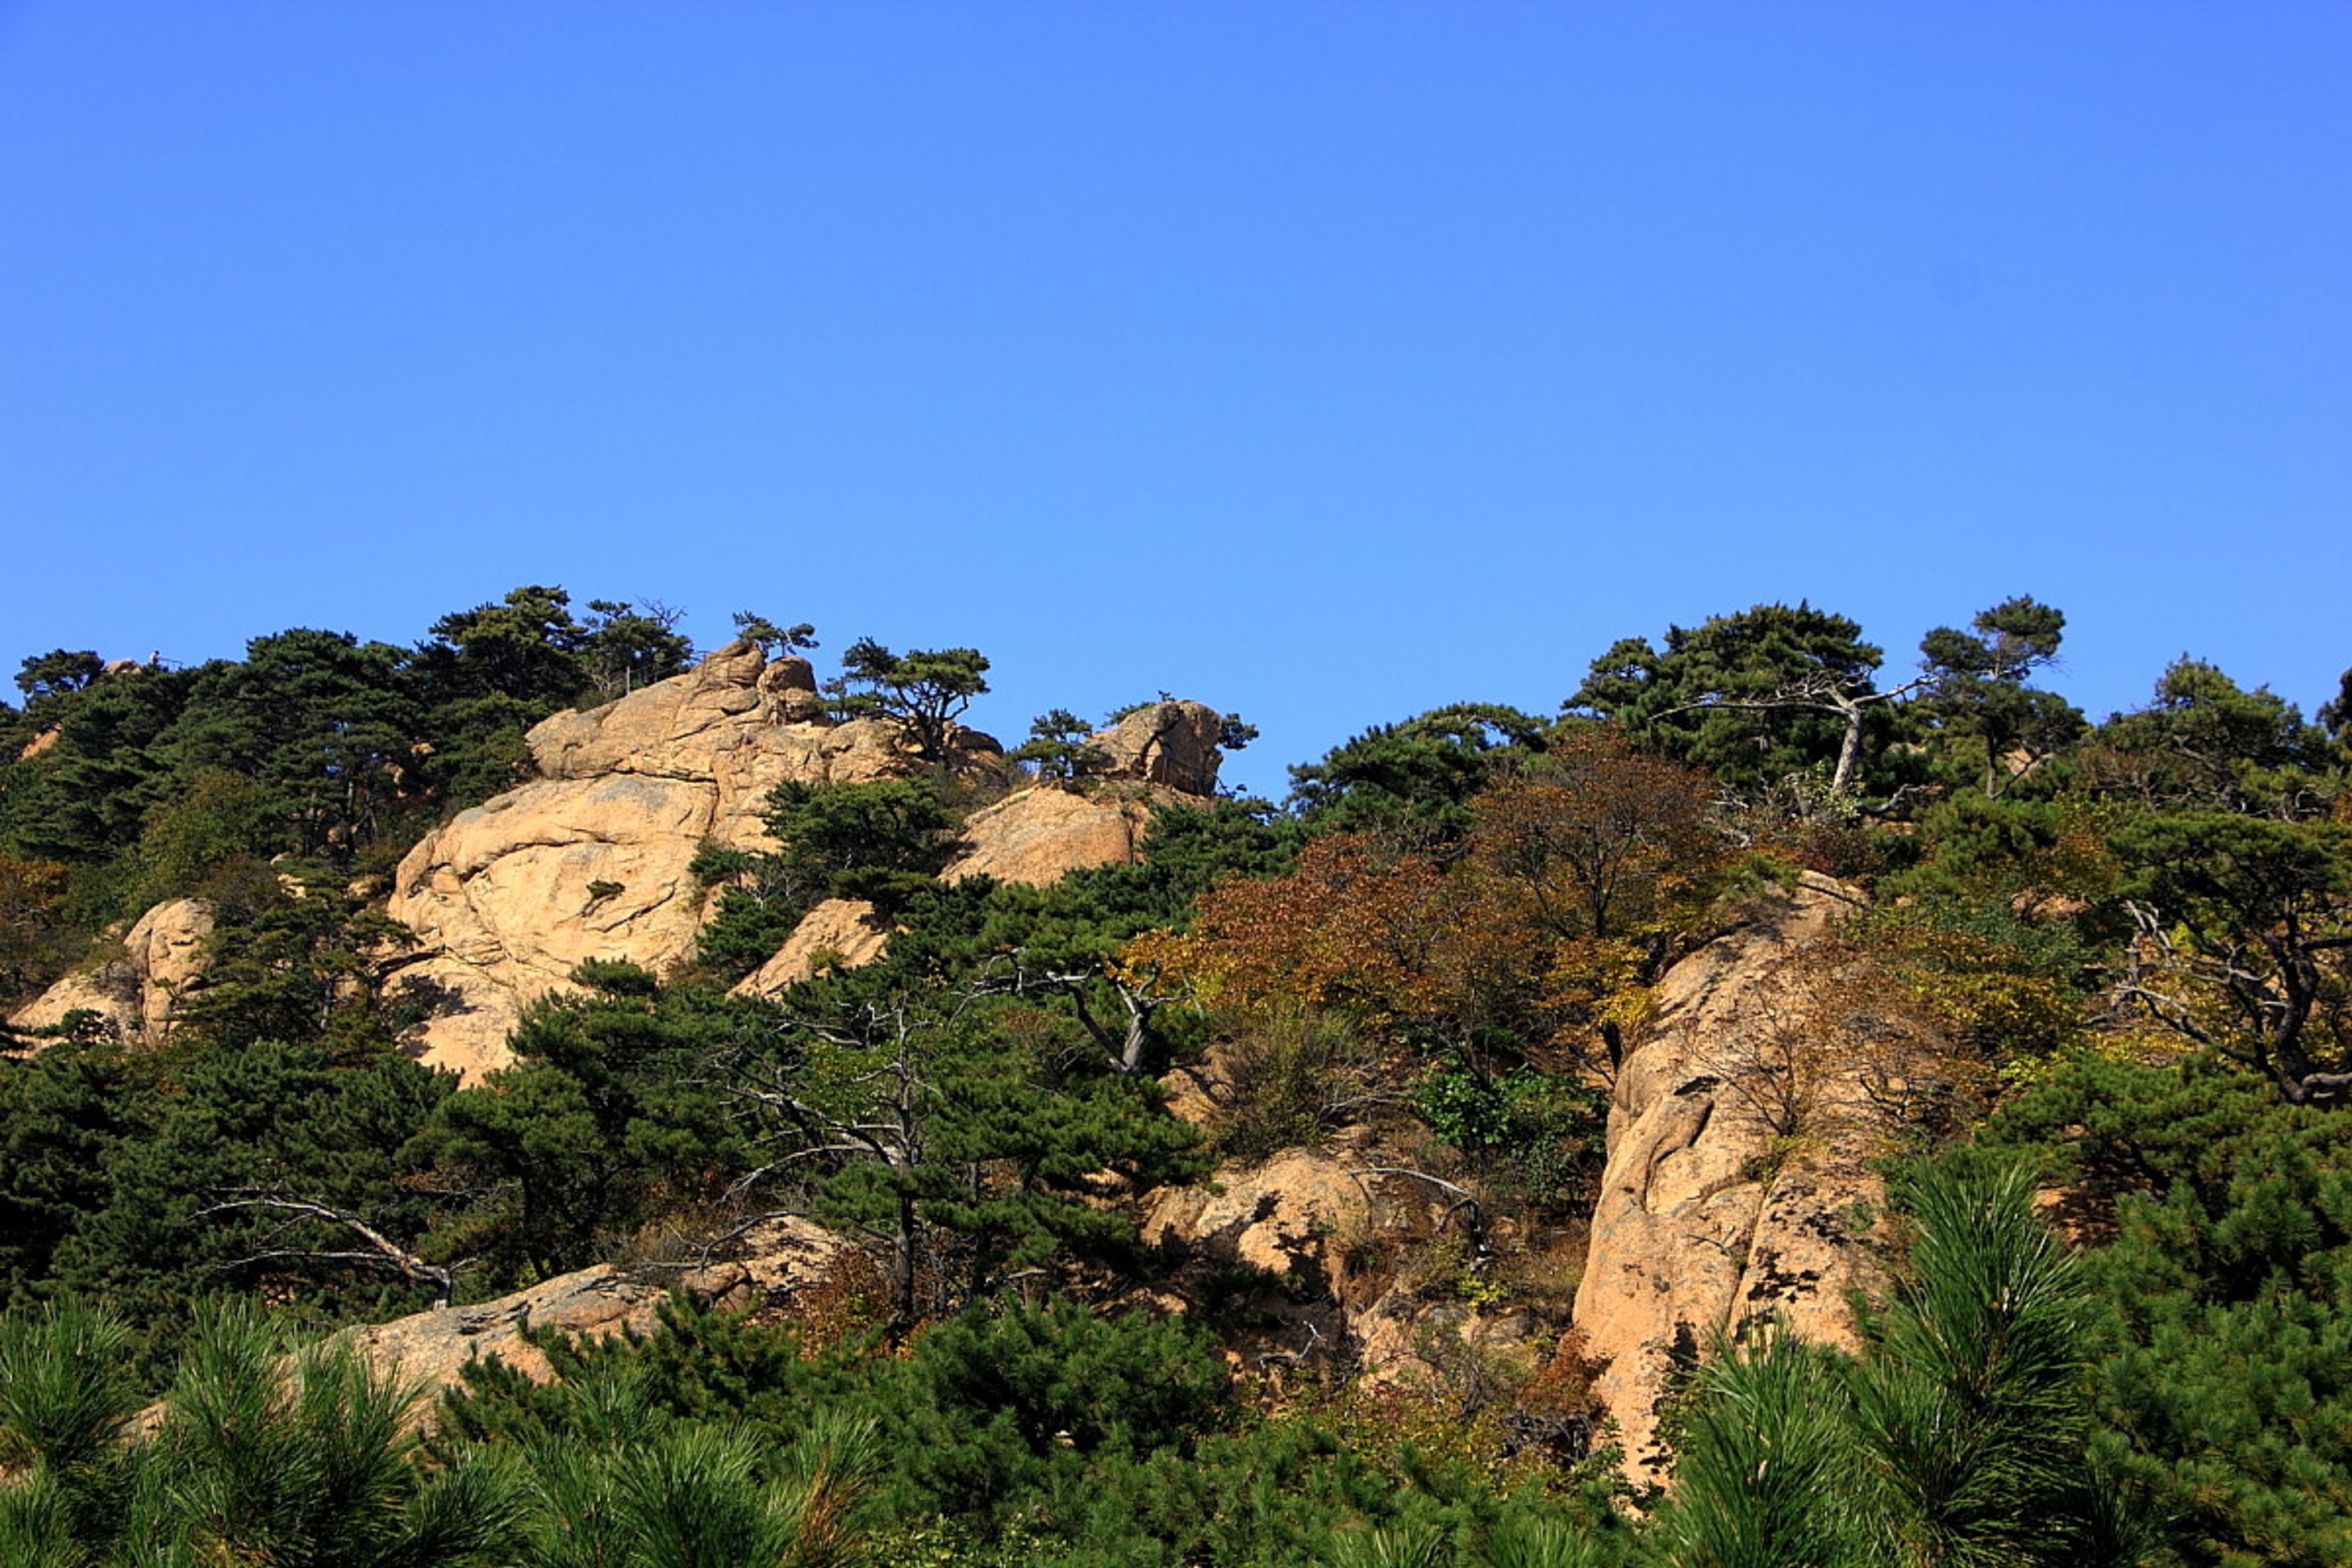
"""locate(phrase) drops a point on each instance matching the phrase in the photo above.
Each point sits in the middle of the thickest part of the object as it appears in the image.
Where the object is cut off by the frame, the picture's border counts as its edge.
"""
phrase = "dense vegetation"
(2131, 936)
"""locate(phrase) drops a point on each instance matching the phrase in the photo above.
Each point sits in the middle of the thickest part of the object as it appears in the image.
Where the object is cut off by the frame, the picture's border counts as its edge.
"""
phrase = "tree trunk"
(1849, 749)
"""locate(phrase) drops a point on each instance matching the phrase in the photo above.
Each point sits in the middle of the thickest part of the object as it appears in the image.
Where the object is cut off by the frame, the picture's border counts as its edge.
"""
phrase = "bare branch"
(1476, 1225)
(385, 1252)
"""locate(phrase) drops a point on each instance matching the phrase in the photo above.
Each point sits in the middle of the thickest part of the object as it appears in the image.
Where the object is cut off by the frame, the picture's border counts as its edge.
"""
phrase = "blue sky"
(1327, 362)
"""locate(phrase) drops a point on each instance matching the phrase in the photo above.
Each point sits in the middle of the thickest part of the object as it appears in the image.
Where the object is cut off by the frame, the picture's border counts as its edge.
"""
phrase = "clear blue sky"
(1324, 361)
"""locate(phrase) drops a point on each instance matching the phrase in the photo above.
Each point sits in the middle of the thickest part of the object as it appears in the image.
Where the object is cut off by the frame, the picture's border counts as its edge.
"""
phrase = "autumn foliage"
(1541, 928)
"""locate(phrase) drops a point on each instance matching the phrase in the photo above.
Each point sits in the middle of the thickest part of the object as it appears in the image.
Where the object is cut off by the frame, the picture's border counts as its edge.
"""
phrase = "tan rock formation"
(1362, 1265)
(1278, 1217)
(1738, 1183)
(1286, 1218)
(779, 1258)
(591, 860)
(1199, 1091)
(136, 990)
(1040, 835)
(733, 723)
(842, 932)
(1172, 743)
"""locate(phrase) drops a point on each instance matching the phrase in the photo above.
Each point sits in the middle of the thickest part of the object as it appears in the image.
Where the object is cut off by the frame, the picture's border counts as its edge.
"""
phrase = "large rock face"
(735, 723)
(591, 860)
(137, 991)
(1738, 1183)
(1040, 835)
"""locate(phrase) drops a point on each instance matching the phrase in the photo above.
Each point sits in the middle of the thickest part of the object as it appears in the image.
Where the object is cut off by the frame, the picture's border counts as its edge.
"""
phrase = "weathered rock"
(137, 990)
(1041, 834)
(1198, 1092)
(843, 932)
(1172, 743)
(469, 1013)
(1281, 1217)
(1738, 1183)
(735, 723)
(592, 859)
(1278, 1216)
(509, 898)
(791, 683)
(777, 1259)
(1362, 1266)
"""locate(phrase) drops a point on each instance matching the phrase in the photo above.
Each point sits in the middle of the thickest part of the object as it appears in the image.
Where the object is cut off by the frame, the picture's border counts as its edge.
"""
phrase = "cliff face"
(1739, 1183)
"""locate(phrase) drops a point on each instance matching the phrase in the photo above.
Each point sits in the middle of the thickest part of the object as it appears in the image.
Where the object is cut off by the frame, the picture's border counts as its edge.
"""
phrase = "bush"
(1291, 1082)
(1542, 1134)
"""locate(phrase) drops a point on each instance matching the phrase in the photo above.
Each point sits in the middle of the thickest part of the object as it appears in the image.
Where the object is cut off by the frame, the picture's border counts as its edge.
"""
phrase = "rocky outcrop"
(592, 859)
(1268, 1236)
(136, 990)
(1738, 1185)
(1158, 753)
(1171, 742)
(736, 723)
(838, 933)
(777, 1260)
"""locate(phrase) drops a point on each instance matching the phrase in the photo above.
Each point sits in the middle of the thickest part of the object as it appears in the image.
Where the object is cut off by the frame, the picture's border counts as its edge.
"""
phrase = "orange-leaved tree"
(1351, 927)
(1599, 859)
(1545, 927)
